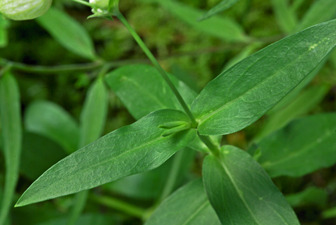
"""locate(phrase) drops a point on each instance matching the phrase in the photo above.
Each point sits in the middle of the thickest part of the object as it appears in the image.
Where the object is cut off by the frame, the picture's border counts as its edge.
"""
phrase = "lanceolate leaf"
(242, 94)
(94, 113)
(223, 5)
(241, 191)
(187, 206)
(68, 32)
(93, 118)
(132, 149)
(10, 115)
(285, 16)
(220, 27)
(320, 11)
(50, 120)
(142, 90)
(300, 148)
(301, 105)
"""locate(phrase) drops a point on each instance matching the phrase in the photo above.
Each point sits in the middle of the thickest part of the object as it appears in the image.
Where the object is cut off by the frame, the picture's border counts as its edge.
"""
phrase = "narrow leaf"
(220, 7)
(310, 196)
(285, 16)
(10, 115)
(50, 120)
(241, 192)
(302, 147)
(142, 90)
(129, 150)
(93, 116)
(221, 27)
(189, 205)
(301, 105)
(68, 32)
(242, 94)
(320, 11)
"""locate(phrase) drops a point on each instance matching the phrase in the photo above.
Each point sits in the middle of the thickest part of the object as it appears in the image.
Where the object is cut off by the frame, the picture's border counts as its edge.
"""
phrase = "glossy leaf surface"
(241, 192)
(11, 132)
(129, 150)
(303, 146)
(68, 32)
(223, 5)
(189, 205)
(242, 94)
(50, 120)
(142, 90)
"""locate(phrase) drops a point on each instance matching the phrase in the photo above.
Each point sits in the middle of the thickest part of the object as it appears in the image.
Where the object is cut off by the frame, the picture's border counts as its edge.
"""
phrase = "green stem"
(51, 69)
(158, 67)
(208, 142)
(119, 205)
(80, 202)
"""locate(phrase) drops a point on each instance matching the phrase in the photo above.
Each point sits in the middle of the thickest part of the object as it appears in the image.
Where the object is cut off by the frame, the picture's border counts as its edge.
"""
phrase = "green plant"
(173, 118)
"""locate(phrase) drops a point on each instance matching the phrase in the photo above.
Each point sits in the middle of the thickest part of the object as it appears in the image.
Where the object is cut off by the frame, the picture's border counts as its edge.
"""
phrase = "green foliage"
(10, 116)
(162, 157)
(302, 147)
(125, 151)
(241, 191)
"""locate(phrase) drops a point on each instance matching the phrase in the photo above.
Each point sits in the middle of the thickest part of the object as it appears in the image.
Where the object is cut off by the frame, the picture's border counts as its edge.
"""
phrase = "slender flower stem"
(158, 67)
(209, 143)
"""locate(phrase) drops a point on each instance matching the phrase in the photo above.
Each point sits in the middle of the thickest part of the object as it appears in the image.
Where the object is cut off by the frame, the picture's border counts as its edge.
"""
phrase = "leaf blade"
(220, 7)
(52, 121)
(10, 115)
(189, 205)
(132, 149)
(241, 192)
(305, 145)
(242, 94)
(68, 32)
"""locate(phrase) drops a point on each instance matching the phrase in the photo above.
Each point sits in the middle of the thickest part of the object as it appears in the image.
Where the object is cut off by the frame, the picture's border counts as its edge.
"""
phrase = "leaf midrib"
(207, 116)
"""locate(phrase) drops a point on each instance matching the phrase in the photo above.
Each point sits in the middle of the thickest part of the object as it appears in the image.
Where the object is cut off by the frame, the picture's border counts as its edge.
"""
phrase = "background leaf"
(93, 118)
(38, 154)
(302, 147)
(50, 120)
(68, 32)
(320, 11)
(241, 192)
(189, 206)
(301, 105)
(242, 94)
(229, 29)
(310, 196)
(132, 149)
(142, 90)
(10, 115)
(223, 5)
(284, 14)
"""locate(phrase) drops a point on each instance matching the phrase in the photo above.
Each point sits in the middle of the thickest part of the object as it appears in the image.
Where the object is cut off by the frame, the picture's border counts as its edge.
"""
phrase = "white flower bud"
(23, 9)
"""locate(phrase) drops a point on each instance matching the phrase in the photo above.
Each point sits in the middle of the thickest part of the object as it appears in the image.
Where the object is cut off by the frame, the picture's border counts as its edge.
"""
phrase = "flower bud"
(23, 9)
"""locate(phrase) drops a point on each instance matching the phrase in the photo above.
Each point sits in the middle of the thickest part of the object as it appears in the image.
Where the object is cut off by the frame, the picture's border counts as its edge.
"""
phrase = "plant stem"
(119, 205)
(208, 142)
(158, 67)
